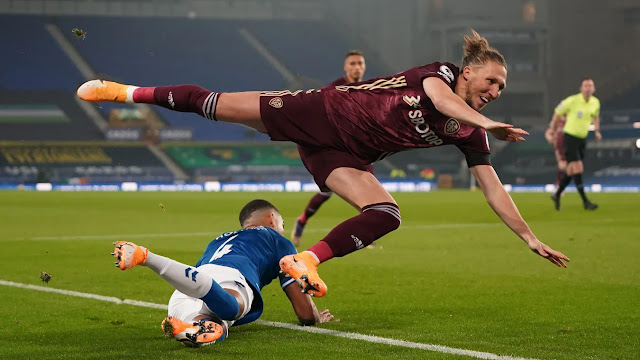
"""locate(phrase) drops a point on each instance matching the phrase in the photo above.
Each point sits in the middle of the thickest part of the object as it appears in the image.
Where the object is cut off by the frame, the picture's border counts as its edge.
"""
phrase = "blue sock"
(221, 302)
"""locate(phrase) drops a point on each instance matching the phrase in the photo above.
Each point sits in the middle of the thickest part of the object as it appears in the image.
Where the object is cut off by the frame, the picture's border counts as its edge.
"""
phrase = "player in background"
(223, 288)
(580, 110)
(342, 130)
(354, 69)
(555, 140)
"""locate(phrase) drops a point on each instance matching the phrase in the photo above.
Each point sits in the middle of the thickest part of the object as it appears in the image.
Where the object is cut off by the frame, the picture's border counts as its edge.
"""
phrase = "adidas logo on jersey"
(446, 73)
(357, 241)
(170, 100)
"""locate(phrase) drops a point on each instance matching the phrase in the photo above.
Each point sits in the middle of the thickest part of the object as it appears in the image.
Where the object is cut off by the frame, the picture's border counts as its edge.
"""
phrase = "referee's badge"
(580, 113)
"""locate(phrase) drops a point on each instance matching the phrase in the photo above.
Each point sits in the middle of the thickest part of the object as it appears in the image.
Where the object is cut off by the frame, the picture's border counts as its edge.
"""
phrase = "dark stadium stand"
(172, 53)
(171, 56)
(31, 60)
(175, 51)
(26, 115)
(443, 160)
(75, 162)
(629, 99)
(533, 162)
(300, 44)
(239, 162)
(37, 81)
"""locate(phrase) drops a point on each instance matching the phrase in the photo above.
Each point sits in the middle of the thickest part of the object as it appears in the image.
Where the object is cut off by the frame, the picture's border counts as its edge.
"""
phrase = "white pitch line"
(313, 230)
(215, 234)
(393, 342)
(119, 237)
(309, 329)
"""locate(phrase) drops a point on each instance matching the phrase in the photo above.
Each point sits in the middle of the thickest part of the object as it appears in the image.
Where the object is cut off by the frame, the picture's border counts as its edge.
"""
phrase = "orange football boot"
(100, 90)
(129, 254)
(303, 268)
(195, 334)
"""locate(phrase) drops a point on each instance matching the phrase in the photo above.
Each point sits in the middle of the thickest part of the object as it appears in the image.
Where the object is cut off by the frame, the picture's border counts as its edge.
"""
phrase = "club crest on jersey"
(446, 73)
(452, 126)
(276, 102)
(413, 101)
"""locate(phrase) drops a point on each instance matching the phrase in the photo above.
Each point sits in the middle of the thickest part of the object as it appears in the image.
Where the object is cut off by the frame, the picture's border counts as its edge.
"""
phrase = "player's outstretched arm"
(451, 105)
(304, 307)
(503, 205)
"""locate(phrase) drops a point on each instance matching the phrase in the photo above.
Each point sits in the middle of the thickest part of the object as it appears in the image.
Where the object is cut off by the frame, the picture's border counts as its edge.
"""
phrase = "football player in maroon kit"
(341, 130)
(354, 69)
(554, 138)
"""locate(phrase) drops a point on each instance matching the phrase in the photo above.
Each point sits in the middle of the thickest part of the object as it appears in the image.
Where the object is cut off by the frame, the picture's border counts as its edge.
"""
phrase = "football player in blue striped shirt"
(223, 288)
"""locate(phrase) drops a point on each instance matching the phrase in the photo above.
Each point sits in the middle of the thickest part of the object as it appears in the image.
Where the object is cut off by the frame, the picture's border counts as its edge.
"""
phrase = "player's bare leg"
(379, 215)
(238, 108)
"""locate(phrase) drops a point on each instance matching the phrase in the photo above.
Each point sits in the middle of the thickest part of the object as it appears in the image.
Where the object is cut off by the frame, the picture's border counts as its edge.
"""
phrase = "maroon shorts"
(301, 117)
(558, 144)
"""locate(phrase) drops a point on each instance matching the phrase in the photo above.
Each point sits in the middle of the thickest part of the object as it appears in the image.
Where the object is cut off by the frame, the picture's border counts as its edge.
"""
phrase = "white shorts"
(186, 308)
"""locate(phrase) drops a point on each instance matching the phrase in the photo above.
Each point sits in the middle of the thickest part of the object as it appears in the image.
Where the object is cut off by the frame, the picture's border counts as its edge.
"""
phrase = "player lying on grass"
(343, 129)
(223, 288)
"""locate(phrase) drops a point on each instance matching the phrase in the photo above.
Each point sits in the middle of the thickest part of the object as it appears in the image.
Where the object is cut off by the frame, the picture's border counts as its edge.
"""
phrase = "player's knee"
(387, 214)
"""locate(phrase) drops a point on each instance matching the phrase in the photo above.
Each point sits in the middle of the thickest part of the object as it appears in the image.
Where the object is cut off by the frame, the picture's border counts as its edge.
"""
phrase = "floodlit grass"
(451, 275)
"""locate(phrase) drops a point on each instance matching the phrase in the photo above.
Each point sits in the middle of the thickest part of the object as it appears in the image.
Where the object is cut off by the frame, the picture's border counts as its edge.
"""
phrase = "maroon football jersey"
(378, 117)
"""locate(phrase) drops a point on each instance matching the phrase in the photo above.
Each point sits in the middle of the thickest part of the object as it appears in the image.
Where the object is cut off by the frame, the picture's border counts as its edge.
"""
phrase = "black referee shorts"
(574, 147)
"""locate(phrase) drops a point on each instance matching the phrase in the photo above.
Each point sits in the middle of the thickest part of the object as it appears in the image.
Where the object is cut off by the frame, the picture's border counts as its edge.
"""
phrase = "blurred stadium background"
(48, 136)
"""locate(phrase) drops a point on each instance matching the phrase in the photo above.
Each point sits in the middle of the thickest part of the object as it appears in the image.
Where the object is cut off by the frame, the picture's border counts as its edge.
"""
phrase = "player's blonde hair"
(477, 51)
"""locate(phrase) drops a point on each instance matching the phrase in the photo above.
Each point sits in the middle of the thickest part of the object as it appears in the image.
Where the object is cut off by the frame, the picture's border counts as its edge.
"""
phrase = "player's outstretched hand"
(556, 257)
(506, 132)
(324, 316)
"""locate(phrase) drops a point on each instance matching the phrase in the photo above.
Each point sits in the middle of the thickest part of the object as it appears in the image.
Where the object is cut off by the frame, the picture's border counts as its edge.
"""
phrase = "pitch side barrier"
(213, 186)
(291, 186)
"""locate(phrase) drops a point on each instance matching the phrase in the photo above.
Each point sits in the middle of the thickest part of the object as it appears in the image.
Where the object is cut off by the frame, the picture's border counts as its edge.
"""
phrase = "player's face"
(587, 88)
(354, 67)
(484, 83)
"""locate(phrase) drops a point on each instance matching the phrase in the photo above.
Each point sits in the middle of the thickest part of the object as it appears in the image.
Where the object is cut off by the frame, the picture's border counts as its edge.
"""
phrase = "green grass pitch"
(451, 275)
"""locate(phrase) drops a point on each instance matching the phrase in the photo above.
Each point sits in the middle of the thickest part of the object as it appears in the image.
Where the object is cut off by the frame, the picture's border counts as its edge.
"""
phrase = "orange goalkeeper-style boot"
(303, 268)
(195, 334)
(100, 90)
(129, 254)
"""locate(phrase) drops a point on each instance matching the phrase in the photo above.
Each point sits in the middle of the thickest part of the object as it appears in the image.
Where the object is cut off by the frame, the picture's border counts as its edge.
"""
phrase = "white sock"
(183, 278)
(130, 90)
